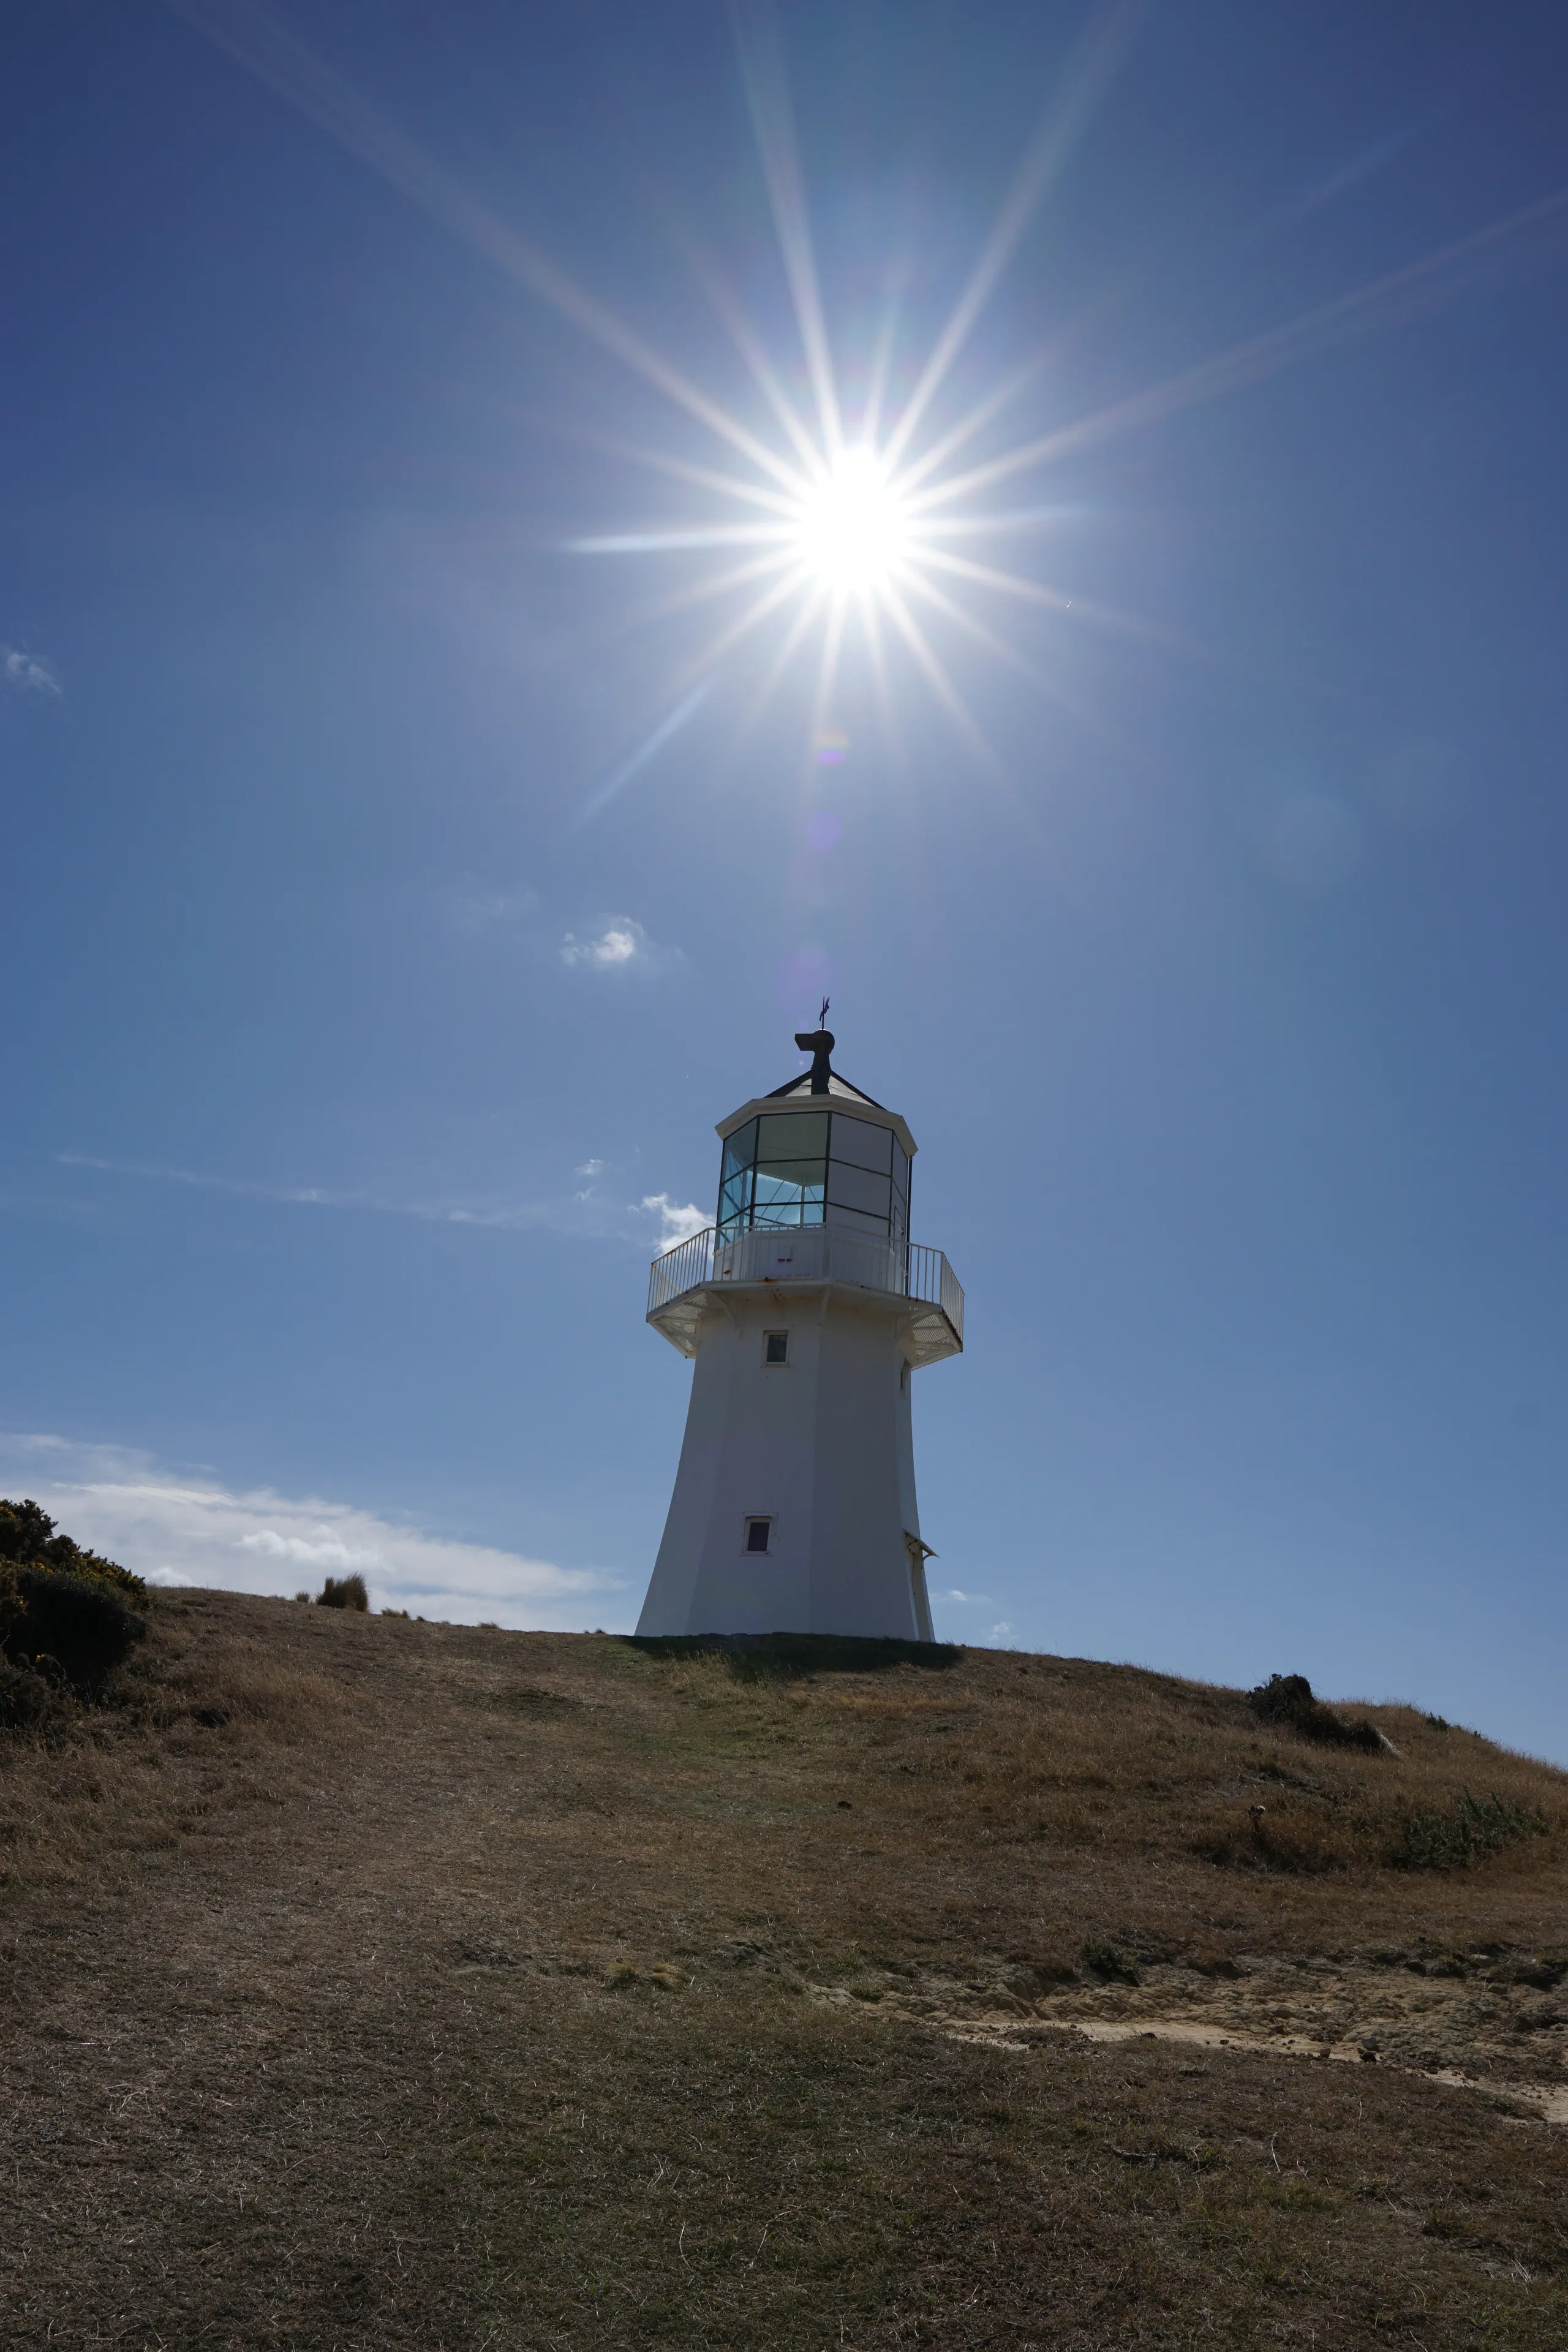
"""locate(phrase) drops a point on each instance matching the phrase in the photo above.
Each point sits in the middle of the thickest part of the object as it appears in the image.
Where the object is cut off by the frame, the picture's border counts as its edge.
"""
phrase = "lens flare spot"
(823, 829)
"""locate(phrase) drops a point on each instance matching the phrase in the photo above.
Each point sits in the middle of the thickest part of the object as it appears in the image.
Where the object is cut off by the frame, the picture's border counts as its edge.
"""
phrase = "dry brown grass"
(376, 1984)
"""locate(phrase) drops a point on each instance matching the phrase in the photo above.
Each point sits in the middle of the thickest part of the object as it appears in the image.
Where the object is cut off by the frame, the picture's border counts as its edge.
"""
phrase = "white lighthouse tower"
(806, 1307)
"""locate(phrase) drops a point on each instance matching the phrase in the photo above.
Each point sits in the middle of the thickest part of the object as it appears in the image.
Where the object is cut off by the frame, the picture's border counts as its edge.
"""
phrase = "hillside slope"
(372, 1984)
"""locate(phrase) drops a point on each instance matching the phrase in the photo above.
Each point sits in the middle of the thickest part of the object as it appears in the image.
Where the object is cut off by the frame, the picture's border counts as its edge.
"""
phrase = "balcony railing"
(814, 1254)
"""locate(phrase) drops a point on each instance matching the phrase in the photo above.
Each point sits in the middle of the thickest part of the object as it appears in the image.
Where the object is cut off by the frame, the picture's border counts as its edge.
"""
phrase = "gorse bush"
(68, 1617)
(344, 1592)
(28, 1540)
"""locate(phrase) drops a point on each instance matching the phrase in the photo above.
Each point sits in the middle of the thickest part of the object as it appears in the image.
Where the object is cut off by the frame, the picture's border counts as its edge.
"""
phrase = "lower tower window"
(757, 1534)
(776, 1348)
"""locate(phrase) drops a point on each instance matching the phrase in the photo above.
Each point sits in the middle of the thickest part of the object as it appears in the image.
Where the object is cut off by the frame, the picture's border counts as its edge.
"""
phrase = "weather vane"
(818, 1044)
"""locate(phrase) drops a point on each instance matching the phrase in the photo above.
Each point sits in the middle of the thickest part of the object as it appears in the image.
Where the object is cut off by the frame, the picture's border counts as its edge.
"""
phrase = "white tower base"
(816, 1450)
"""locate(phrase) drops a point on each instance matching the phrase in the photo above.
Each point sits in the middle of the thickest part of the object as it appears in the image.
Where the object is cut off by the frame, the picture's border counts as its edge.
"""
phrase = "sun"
(853, 529)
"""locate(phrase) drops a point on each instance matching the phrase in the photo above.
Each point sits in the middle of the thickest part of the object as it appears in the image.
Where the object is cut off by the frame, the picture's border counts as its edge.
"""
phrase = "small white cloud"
(591, 1168)
(972, 1600)
(677, 1220)
(618, 943)
(1002, 1628)
(28, 673)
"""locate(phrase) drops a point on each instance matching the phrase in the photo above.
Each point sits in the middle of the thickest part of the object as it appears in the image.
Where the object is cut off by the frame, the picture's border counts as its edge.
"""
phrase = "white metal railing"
(809, 1253)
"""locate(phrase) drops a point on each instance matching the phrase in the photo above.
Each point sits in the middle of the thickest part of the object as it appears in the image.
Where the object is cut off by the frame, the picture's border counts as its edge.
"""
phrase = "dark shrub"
(26, 1701)
(67, 1616)
(78, 1623)
(344, 1592)
(1110, 1966)
(1287, 1700)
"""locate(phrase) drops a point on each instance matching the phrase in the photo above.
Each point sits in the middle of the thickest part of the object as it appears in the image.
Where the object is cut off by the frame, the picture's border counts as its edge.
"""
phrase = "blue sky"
(396, 892)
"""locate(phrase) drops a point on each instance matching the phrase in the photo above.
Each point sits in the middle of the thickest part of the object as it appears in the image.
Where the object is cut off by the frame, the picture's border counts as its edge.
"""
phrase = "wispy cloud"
(28, 673)
(970, 1599)
(506, 1215)
(478, 909)
(583, 1213)
(677, 1220)
(615, 943)
(180, 1529)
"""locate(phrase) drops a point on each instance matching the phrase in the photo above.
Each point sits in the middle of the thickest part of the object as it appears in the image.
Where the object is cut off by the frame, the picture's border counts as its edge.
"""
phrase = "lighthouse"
(805, 1309)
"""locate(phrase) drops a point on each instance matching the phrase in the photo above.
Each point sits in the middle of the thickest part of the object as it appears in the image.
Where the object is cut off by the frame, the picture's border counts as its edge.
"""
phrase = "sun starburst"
(885, 527)
(833, 527)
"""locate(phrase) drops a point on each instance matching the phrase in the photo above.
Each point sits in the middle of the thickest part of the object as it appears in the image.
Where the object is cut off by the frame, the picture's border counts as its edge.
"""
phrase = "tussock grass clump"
(1458, 1835)
(345, 1592)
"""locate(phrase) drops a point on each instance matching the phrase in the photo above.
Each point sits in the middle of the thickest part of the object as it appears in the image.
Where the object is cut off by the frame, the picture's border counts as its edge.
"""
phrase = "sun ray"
(1000, 398)
(1088, 71)
(1091, 720)
(1084, 609)
(1010, 521)
(762, 370)
(275, 56)
(646, 750)
(805, 620)
(828, 668)
(768, 602)
(706, 591)
(880, 370)
(686, 469)
(666, 542)
(1010, 583)
(913, 584)
(1361, 311)
(937, 679)
(881, 684)
(767, 94)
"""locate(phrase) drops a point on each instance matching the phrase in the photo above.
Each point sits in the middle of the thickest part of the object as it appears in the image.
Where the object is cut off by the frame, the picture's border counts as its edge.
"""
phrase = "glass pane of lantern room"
(789, 1192)
(856, 1188)
(735, 1198)
(857, 1140)
(740, 1150)
(792, 1135)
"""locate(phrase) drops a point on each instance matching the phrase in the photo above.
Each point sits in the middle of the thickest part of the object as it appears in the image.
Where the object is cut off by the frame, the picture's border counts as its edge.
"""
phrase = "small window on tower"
(775, 1347)
(757, 1534)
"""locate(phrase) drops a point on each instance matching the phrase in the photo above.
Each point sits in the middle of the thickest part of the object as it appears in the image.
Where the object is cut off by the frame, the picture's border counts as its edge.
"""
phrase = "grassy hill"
(370, 1984)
